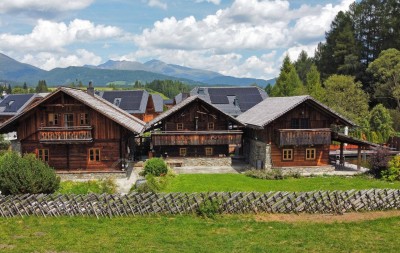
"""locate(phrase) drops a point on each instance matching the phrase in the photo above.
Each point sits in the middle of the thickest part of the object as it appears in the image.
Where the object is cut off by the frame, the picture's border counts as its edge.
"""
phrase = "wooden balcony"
(184, 138)
(65, 135)
(303, 137)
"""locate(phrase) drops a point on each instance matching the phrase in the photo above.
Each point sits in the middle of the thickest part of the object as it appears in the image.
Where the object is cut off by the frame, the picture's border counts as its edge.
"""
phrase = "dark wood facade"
(300, 137)
(195, 129)
(70, 135)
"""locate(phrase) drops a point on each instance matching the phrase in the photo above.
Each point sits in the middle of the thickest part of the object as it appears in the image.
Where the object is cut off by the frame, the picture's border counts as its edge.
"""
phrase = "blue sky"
(243, 38)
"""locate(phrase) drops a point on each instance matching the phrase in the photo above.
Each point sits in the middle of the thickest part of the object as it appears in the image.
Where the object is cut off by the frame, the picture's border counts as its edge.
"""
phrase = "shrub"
(209, 208)
(4, 145)
(154, 184)
(393, 172)
(26, 174)
(92, 186)
(265, 174)
(155, 167)
(379, 162)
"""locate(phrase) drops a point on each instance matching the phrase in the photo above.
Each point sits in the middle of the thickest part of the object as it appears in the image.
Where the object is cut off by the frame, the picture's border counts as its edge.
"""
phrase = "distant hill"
(12, 70)
(117, 71)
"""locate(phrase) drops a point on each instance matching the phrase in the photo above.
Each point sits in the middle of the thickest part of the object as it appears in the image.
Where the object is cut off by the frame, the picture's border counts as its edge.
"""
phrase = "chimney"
(90, 89)
(4, 94)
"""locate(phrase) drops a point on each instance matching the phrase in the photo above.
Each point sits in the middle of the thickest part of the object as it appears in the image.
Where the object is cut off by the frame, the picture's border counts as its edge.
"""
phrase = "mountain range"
(121, 72)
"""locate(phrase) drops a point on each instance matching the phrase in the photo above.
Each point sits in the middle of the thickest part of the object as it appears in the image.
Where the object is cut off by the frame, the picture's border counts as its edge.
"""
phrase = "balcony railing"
(65, 135)
(303, 137)
(196, 138)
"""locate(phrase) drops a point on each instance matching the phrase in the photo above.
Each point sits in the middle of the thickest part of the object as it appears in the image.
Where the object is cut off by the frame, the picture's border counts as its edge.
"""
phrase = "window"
(43, 154)
(300, 123)
(52, 119)
(94, 155)
(209, 151)
(287, 154)
(179, 126)
(310, 153)
(84, 119)
(210, 125)
(182, 152)
(68, 120)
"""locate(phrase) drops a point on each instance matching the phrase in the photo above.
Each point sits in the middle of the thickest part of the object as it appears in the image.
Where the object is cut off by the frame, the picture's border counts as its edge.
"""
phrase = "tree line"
(356, 71)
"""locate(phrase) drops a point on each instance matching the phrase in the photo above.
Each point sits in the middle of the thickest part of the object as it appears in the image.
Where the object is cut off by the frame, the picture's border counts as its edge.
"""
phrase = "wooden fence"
(186, 203)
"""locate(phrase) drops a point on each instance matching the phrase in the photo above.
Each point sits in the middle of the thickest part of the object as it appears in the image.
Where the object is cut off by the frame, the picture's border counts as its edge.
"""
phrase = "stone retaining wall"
(307, 170)
(91, 175)
(200, 161)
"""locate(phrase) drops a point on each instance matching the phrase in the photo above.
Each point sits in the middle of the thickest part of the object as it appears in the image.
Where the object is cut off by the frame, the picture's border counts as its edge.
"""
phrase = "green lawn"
(239, 182)
(194, 234)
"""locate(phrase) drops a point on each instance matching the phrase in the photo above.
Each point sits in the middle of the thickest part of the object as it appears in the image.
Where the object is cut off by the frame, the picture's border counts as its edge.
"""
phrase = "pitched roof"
(158, 102)
(273, 107)
(96, 103)
(14, 103)
(131, 101)
(179, 106)
(232, 100)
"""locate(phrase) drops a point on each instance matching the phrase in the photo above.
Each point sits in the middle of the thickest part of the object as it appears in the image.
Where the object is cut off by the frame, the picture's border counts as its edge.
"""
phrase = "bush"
(154, 184)
(92, 186)
(26, 174)
(209, 208)
(274, 174)
(379, 162)
(393, 172)
(4, 145)
(155, 167)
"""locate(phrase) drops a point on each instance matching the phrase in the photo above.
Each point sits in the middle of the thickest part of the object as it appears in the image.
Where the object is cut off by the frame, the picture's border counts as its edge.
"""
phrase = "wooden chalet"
(71, 129)
(194, 128)
(289, 132)
(138, 103)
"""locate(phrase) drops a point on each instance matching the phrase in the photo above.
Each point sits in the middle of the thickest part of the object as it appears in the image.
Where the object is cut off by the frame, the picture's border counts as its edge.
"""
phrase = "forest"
(356, 71)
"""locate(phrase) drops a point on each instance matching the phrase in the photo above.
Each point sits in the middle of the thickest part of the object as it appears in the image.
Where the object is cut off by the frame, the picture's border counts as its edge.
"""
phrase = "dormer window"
(10, 103)
(201, 91)
(117, 101)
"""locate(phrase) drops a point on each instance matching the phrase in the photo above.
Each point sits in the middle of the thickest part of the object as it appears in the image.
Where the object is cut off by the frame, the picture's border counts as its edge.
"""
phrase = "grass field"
(194, 234)
(239, 182)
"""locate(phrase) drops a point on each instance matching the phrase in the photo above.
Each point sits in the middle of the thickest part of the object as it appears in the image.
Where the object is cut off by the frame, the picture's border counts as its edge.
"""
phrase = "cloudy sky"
(243, 38)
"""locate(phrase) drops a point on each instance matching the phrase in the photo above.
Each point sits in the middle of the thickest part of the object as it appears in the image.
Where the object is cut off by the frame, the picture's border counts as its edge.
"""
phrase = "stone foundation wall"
(200, 161)
(91, 176)
(307, 170)
(259, 154)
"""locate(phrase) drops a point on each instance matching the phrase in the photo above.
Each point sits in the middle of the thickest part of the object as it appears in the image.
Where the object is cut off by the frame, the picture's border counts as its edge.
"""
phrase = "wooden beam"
(359, 157)
(341, 157)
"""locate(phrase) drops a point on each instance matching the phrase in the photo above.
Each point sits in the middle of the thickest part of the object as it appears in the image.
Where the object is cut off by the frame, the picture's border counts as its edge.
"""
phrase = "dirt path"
(326, 218)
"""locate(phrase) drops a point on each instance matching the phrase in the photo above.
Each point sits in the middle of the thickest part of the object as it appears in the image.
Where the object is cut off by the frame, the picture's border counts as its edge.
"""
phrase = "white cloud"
(295, 51)
(318, 20)
(216, 2)
(218, 41)
(51, 36)
(42, 5)
(49, 61)
(246, 24)
(158, 4)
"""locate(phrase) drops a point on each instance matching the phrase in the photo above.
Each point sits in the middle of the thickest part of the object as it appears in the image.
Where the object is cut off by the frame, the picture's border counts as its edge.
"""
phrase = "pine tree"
(288, 82)
(313, 83)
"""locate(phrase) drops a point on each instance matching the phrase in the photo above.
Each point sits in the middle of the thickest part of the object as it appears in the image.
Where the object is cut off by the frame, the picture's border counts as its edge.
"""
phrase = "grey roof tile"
(158, 102)
(273, 107)
(13, 103)
(232, 100)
